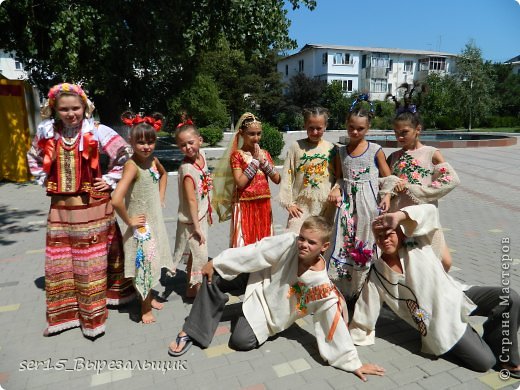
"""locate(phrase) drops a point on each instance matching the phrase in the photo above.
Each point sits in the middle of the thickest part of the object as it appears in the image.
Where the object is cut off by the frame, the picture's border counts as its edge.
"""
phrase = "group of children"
(342, 202)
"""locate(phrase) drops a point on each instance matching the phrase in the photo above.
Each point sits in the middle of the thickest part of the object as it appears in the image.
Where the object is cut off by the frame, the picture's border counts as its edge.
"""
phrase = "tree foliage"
(203, 103)
(132, 52)
(338, 104)
(476, 79)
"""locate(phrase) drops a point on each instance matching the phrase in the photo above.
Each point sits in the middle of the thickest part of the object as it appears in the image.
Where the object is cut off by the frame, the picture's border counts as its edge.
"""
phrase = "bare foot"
(146, 311)
(156, 304)
(148, 318)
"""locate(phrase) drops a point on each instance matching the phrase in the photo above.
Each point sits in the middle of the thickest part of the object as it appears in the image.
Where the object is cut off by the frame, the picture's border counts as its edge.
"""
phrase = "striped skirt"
(83, 267)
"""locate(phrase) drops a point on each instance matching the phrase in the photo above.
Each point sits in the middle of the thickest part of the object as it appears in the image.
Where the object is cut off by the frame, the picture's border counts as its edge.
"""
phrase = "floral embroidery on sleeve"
(409, 169)
(443, 179)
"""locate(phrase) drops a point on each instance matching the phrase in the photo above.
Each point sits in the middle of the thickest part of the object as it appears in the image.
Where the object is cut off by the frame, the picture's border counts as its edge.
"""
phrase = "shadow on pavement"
(10, 223)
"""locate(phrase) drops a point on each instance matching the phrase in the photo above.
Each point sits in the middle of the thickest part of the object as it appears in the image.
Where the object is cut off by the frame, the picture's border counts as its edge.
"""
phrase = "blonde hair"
(319, 224)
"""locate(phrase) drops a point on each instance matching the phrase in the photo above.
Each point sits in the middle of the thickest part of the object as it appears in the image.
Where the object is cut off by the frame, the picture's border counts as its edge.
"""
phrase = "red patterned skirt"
(252, 220)
(83, 267)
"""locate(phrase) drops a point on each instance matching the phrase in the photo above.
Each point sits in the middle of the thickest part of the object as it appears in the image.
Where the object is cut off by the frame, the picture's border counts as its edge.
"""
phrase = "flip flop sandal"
(188, 342)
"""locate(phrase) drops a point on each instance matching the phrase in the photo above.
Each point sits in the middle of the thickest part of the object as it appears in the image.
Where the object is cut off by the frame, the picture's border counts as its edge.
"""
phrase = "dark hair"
(408, 111)
(308, 113)
(360, 110)
(143, 130)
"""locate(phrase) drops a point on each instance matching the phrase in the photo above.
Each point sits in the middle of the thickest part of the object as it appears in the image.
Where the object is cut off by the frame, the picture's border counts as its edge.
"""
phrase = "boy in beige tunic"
(285, 278)
(409, 278)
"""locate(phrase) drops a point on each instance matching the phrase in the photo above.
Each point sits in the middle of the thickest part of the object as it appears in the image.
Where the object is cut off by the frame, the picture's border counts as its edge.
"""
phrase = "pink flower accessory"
(360, 254)
(436, 184)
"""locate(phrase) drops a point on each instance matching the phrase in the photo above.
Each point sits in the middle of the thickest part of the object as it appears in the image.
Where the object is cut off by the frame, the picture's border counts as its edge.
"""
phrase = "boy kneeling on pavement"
(284, 278)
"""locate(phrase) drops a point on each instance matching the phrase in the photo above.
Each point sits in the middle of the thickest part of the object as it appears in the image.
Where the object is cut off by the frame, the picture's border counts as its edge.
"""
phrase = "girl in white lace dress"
(358, 167)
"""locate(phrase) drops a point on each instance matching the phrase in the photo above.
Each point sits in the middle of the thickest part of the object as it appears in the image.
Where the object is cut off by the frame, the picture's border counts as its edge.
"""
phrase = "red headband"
(155, 123)
(187, 122)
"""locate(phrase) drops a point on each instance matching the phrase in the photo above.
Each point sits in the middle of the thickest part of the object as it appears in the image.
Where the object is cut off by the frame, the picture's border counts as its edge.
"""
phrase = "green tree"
(338, 104)
(440, 106)
(131, 51)
(201, 100)
(476, 80)
(245, 84)
(305, 91)
(507, 91)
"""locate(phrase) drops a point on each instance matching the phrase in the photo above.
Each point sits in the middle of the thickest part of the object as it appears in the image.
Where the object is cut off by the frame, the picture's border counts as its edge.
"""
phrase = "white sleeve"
(368, 306)
(339, 351)
(422, 220)
(255, 257)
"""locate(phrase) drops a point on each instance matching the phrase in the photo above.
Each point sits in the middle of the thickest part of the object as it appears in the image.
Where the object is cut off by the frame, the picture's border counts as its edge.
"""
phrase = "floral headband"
(66, 87)
(359, 99)
(155, 123)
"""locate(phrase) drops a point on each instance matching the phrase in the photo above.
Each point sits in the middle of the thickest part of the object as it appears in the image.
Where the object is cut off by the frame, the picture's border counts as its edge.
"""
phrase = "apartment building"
(365, 69)
(10, 67)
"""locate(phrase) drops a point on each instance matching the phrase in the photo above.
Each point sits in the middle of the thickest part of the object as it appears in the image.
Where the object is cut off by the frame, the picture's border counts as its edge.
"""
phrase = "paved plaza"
(478, 217)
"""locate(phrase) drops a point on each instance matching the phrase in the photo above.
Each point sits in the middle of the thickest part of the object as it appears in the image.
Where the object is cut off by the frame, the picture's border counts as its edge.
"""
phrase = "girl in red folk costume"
(195, 184)
(83, 257)
(137, 199)
(241, 185)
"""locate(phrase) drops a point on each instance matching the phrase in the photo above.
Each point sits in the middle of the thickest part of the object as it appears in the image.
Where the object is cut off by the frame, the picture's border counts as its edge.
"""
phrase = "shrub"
(448, 122)
(212, 135)
(272, 140)
(501, 121)
(384, 118)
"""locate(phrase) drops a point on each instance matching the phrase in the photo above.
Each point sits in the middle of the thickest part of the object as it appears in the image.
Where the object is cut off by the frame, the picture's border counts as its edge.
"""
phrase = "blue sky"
(439, 25)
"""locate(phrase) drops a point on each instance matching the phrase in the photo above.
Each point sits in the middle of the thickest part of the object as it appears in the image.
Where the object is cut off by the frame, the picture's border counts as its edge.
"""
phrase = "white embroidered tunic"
(424, 295)
(276, 297)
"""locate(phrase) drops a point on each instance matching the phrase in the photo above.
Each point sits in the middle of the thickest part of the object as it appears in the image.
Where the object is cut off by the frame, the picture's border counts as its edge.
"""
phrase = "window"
(364, 61)
(346, 85)
(408, 66)
(389, 87)
(342, 59)
(287, 70)
(324, 58)
(300, 66)
(437, 63)
(17, 64)
(378, 85)
(432, 63)
(380, 60)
